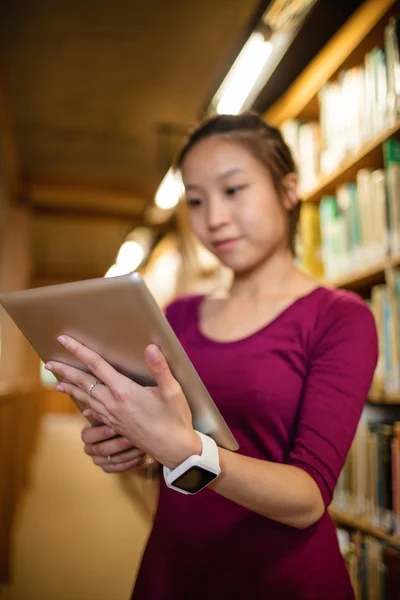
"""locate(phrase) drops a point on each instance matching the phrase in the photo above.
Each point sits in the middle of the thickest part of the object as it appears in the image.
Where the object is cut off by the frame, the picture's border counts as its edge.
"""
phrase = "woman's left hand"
(156, 420)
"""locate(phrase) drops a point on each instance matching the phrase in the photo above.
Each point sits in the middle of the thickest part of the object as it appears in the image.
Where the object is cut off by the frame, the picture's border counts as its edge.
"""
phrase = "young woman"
(287, 361)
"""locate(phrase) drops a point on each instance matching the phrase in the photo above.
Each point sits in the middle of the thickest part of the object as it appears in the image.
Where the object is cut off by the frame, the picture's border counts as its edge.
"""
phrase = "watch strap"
(209, 451)
(209, 454)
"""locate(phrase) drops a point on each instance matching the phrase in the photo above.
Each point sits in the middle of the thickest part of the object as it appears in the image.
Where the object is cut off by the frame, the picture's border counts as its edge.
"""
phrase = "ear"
(290, 199)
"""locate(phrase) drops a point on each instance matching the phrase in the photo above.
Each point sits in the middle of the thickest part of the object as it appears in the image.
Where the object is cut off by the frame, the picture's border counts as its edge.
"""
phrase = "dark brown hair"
(262, 140)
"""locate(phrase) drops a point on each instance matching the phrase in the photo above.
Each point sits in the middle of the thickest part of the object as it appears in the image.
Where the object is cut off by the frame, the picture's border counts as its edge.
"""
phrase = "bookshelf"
(365, 526)
(368, 156)
(389, 399)
(368, 275)
(348, 150)
(357, 36)
(351, 153)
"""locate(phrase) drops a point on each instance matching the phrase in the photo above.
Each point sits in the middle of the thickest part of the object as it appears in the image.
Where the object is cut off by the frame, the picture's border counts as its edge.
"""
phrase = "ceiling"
(100, 92)
(100, 95)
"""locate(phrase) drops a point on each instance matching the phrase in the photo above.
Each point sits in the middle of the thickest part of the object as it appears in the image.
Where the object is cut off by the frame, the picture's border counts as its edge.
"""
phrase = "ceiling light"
(135, 248)
(241, 87)
(169, 191)
(143, 236)
(244, 74)
(130, 256)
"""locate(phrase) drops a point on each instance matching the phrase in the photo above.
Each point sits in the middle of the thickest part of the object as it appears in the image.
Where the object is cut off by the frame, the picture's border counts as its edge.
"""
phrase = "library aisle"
(79, 534)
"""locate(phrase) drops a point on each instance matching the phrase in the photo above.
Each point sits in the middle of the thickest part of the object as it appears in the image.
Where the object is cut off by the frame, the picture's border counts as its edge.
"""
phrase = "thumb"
(161, 372)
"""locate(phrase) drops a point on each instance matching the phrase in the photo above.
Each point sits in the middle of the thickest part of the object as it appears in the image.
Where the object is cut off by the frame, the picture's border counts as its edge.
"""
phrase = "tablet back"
(116, 317)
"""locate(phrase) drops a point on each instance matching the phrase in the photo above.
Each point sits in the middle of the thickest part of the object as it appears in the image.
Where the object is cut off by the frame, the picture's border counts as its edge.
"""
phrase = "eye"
(233, 190)
(193, 202)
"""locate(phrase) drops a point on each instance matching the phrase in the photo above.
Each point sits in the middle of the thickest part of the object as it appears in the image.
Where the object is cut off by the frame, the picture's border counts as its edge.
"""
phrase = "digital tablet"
(117, 317)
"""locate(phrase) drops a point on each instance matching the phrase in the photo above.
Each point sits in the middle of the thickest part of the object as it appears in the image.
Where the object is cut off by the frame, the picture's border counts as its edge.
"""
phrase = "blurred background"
(95, 100)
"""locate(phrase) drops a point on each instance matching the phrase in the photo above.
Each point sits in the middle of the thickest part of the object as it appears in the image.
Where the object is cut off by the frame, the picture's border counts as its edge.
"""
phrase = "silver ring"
(109, 459)
(90, 391)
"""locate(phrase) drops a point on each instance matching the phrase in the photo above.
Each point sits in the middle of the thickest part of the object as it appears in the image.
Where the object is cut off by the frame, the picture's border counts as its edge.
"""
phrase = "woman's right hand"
(112, 454)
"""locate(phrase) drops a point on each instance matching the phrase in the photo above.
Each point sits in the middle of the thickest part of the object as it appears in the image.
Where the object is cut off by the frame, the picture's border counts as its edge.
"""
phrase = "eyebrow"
(192, 186)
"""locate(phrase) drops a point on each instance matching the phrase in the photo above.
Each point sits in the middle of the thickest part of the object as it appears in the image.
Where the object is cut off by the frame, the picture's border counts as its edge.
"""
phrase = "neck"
(270, 276)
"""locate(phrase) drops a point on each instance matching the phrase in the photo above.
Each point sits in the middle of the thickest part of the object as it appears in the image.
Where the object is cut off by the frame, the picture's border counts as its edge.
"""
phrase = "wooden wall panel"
(19, 424)
(7, 492)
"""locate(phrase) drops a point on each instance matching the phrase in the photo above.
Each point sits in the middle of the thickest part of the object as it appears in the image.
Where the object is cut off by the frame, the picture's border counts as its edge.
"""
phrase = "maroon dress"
(292, 393)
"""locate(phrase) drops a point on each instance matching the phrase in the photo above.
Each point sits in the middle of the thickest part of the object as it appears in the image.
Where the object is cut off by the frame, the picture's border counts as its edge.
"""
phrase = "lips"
(226, 244)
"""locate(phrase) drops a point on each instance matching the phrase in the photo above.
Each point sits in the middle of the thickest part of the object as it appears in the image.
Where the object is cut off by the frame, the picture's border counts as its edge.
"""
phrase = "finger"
(117, 459)
(158, 366)
(92, 435)
(122, 467)
(71, 374)
(110, 447)
(93, 361)
(92, 414)
(90, 402)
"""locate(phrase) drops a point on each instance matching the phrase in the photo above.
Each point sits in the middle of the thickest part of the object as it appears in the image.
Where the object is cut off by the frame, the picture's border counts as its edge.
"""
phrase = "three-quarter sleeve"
(341, 366)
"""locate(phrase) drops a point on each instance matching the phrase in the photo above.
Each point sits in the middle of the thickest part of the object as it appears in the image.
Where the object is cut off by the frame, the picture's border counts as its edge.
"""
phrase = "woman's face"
(233, 206)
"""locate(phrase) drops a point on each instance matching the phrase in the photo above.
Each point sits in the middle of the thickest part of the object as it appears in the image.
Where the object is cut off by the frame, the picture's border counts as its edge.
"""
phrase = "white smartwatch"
(197, 471)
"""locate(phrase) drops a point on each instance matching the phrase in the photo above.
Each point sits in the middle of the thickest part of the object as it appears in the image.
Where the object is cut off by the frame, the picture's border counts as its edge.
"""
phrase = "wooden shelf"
(333, 57)
(389, 399)
(366, 276)
(369, 156)
(363, 524)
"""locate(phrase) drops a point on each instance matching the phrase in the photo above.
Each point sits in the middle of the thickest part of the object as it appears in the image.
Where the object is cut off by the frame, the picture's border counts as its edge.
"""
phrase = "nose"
(217, 215)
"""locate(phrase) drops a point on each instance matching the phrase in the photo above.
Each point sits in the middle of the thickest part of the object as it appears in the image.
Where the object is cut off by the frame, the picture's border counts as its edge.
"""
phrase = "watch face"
(194, 479)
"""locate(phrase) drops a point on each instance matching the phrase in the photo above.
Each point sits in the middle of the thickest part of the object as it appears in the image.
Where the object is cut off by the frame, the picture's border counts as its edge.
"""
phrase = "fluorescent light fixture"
(169, 191)
(135, 248)
(244, 74)
(248, 75)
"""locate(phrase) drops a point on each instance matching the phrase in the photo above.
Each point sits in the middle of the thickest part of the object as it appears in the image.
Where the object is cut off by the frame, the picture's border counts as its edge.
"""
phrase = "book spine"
(310, 235)
(391, 153)
(377, 293)
(394, 333)
(365, 203)
(387, 436)
(396, 475)
(390, 60)
(379, 480)
(381, 229)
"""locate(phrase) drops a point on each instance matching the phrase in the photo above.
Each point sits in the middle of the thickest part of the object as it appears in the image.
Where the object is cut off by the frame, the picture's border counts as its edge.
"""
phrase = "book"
(309, 249)
(396, 476)
(358, 105)
(303, 140)
(333, 239)
(368, 486)
(391, 41)
(392, 277)
(354, 225)
(309, 155)
(377, 300)
(391, 154)
(385, 306)
(372, 566)
(391, 560)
